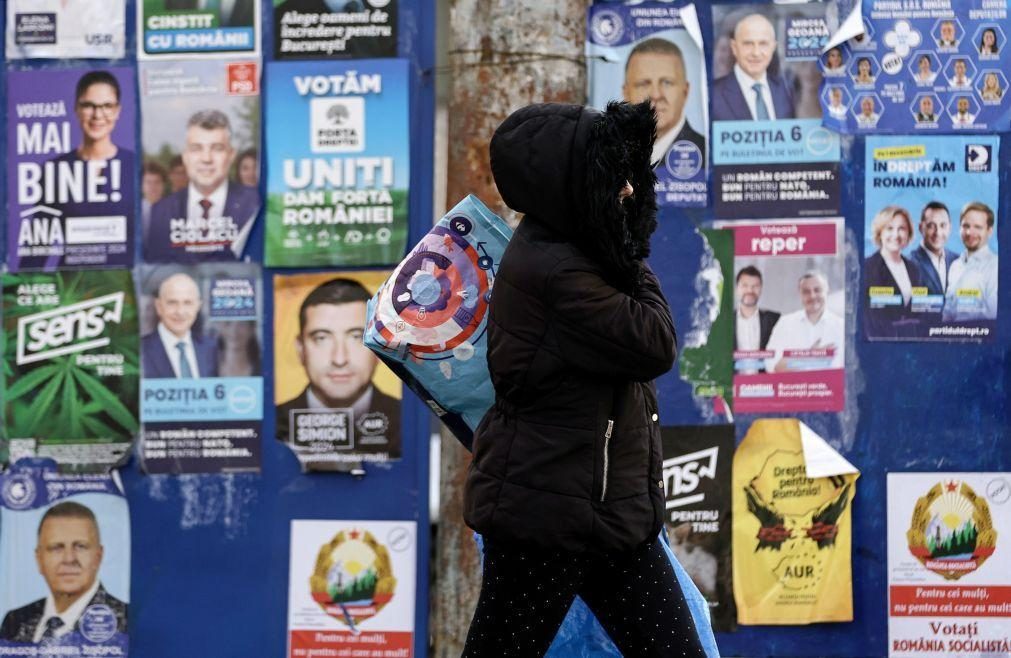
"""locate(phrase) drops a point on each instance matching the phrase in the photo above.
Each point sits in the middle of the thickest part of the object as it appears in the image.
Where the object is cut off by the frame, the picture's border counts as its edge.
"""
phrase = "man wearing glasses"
(109, 186)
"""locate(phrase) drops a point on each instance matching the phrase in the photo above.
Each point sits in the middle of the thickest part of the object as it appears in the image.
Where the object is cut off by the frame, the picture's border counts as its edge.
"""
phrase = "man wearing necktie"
(174, 350)
(68, 553)
(749, 92)
(218, 213)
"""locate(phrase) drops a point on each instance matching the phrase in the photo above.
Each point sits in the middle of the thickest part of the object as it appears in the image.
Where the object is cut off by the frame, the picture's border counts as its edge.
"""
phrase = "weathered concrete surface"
(504, 54)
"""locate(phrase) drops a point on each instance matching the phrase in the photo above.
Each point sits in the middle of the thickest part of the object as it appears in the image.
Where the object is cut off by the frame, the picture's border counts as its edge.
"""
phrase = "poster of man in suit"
(337, 406)
(657, 56)
(201, 365)
(204, 113)
(771, 155)
(64, 562)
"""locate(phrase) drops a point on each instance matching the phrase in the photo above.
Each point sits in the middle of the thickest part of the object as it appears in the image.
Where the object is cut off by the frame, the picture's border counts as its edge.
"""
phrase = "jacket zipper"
(607, 443)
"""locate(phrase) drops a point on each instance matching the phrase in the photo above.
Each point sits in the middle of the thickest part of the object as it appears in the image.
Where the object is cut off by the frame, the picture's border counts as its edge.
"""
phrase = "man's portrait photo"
(655, 71)
(210, 194)
(339, 371)
(926, 112)
(185, 335)
(175, 349)
(751, 91)
(207, 138)
(68, 556)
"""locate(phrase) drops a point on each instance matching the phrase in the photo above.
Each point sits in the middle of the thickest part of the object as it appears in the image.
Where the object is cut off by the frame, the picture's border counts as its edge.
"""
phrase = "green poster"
(71, 367)
(707, 365)
(338, 155)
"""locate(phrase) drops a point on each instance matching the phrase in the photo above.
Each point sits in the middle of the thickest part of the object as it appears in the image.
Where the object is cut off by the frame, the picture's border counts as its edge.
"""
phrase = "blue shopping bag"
(429, 324)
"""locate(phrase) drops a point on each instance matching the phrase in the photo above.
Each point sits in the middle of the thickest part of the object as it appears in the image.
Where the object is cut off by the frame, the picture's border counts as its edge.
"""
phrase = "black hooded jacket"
(569, 457)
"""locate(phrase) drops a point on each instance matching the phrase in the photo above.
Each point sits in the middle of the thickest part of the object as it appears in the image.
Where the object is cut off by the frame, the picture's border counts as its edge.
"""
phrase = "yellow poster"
(791, 533)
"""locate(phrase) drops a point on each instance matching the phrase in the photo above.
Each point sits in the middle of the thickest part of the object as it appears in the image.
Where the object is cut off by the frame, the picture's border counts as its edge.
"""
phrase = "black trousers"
(525, 595)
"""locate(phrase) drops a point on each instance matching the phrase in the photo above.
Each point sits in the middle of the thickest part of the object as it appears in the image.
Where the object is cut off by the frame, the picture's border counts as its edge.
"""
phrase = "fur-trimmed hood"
(564, 165)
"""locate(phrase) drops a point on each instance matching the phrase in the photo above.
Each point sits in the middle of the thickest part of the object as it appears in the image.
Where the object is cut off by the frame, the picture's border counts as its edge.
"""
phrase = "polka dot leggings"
(525, 595)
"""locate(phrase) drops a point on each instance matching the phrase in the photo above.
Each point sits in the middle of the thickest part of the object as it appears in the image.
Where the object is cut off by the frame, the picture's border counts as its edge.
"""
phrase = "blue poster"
(64, 563)
(653, 51)
(201, 358)
(939, 68)
(930, 244)
(771, 155)
(338, 162)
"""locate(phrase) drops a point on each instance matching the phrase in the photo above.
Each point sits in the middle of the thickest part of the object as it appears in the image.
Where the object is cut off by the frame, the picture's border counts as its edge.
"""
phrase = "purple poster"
(71, 180)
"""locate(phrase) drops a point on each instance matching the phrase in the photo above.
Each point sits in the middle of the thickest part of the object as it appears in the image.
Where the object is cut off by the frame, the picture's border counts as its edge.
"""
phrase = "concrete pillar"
(504, 54)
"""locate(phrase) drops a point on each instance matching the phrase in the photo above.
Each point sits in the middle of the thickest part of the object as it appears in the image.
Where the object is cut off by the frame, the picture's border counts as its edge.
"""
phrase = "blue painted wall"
(910, 407)
(210, 552)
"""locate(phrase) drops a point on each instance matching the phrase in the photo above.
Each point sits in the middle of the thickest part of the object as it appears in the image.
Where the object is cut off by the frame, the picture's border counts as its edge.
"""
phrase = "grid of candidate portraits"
(752, 119)
(133, 292)
(756, 129)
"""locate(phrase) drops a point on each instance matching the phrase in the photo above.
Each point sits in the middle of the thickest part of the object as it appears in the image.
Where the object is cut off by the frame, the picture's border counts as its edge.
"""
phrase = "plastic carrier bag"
(429, 324)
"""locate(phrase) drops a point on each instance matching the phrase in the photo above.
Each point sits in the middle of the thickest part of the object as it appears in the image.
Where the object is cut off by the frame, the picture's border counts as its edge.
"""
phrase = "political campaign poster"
(789, 327)
(201, 139)
(930, 242)
(771, 155)
(937, 67)
(337, 405)
(704, 361)
(696, 477)
(792, 530)
(72, 168)
(201, 353)
(177, 29)
(57, 29)
(351, 588)
(318, 29)
(653, 51)
(71, 367)
(64, 562)
(949, 571)
(338, 171)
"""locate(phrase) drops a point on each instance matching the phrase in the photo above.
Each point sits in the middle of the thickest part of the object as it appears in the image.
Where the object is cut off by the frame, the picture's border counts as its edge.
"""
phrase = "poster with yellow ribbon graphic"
(792, 526)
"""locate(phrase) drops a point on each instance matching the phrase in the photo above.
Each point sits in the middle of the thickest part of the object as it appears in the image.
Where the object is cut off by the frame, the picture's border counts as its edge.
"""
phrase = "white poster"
(949, 565)
(84, 29)
(351, 589)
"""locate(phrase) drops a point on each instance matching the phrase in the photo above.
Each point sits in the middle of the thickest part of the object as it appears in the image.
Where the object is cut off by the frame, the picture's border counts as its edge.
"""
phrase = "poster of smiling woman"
(71, 181)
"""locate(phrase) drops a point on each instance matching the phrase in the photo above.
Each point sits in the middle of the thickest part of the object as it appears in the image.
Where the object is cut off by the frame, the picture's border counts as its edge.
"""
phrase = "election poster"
(949, 573)
(72, 168)
(771, 155)
(71, 367)
(351, 588)
(318, 29)
(57, 29)
(64, 563)
(936, 68)
(201, 141)
(653, 51)
(792, 530)
(930, 242)
(177, 29)
(201, 353)
(338, 406)
(696, 477)
(789, 327)
(338, 170)
(704, 361)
